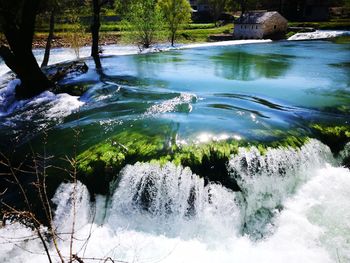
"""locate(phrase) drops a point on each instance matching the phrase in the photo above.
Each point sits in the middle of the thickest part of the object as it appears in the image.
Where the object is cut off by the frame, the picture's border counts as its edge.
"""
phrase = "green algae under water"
(163, 106)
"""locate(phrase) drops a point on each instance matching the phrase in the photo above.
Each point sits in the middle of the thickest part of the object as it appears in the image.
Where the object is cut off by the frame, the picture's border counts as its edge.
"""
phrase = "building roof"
(256, 17)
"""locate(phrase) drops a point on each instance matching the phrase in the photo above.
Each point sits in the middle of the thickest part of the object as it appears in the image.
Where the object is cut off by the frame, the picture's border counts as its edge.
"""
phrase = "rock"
(73, 68)
(335, 137)
(345, 155)
(60, 72)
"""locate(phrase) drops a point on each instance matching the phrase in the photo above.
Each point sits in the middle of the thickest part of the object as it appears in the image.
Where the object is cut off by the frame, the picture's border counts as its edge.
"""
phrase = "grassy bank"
(115, 32)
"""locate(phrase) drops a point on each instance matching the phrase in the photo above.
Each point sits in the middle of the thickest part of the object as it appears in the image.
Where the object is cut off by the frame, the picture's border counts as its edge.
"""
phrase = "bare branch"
(2, 193)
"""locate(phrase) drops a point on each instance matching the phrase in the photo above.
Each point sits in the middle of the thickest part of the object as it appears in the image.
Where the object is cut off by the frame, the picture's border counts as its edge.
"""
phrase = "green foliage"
(101, 163)
(289, 34)
(343, 40)
(12, 9)
(177, 13)
(123, 7)
(144, 22)
(193, 26)
(119, 150)
(333, 136)
(75, 34)
(243, 5)
(201, 34)
(217, 7)
(289, 141)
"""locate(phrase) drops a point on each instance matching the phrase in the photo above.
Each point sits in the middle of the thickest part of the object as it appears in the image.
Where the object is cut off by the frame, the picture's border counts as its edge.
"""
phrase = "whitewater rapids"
(319, 34)
(168, 214)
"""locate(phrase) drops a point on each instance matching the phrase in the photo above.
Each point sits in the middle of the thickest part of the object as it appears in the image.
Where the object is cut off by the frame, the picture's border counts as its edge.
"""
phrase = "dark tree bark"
(19, 56)
(49, 39)
(95, 30)
(280, 6)
(172, 39)
(243, 4)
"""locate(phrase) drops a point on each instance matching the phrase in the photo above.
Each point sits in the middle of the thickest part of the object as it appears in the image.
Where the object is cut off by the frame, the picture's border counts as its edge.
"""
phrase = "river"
(293, 204)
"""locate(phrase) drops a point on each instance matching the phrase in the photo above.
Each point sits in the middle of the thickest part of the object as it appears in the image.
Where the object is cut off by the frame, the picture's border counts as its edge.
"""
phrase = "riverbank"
(194, 33)
(62, 50)
(113, 33)
(61, 40)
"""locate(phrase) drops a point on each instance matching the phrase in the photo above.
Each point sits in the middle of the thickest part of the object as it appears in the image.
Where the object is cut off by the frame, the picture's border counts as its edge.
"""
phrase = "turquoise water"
(292, 204)
(249, 92)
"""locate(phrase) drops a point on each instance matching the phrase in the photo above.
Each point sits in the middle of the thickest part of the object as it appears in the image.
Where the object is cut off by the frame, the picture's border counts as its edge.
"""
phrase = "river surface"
(245, 91)
(251, 91)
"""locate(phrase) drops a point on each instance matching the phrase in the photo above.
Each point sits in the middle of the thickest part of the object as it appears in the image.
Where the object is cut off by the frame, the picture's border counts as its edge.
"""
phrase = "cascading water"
(168, 200)
(319, 34)
(266, 180)
(167, 213)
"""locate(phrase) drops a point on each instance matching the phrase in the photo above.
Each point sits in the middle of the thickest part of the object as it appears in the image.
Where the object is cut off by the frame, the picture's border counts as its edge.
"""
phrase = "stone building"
(259, 25)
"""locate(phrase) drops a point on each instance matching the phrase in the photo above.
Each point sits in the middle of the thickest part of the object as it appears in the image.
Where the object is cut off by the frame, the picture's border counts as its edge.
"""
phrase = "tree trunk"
(25, 66)
(243, 7)
(19, 57)
(95, 29)
(281, 7)
(172, 39)
(49, 40)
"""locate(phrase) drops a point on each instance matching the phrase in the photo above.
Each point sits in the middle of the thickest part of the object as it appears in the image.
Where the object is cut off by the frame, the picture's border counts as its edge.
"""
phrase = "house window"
(241, 27)
(256, 27)
(252, 27)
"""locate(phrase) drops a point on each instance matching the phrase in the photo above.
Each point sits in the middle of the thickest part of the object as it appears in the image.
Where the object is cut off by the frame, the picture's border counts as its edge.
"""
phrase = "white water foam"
(166, 214)
(167, 200)
(182, 102)
(47, 105)
(319, 34)
(266, 180)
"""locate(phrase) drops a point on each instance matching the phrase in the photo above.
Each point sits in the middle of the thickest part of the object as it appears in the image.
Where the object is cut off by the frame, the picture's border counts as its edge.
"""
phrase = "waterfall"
(72, 203)
(293, 206)
(171, 200)
(268, 179)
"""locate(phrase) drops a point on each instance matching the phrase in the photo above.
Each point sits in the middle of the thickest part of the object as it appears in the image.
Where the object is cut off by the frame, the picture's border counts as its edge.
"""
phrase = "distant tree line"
(288, 8)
